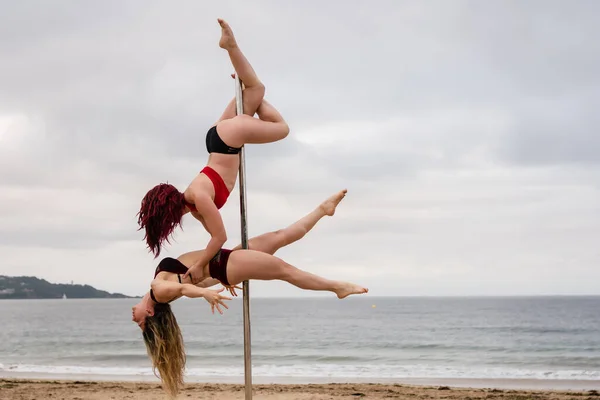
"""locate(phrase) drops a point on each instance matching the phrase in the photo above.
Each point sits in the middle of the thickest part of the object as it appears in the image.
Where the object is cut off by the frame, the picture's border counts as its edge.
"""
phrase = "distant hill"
(29, 287)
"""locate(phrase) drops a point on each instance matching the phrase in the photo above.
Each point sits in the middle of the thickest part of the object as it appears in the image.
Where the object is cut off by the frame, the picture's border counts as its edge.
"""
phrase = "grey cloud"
(555, 132)
(57, 237)
(121, 94)
(111, 88)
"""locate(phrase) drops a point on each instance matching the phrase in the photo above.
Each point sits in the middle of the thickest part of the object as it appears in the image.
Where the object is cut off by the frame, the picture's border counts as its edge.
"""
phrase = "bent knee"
(256, 91)
(260, 88)
(281, 131)
(285, 129)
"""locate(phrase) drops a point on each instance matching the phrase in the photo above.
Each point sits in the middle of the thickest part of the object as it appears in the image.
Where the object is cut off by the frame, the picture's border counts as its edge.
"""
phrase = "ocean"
(320, 339)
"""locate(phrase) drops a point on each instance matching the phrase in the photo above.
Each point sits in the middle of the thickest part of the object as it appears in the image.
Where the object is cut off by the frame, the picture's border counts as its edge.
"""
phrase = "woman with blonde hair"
(153, 313)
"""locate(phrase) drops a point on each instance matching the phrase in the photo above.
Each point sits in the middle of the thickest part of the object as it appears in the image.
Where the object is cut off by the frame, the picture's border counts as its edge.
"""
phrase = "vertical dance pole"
(246, 289)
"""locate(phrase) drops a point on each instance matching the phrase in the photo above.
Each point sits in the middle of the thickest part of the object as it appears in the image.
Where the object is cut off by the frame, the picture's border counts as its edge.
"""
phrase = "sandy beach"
(21, 389)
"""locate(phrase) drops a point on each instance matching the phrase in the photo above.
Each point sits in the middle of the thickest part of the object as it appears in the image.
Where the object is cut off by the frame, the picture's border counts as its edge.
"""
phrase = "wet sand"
(26, 389)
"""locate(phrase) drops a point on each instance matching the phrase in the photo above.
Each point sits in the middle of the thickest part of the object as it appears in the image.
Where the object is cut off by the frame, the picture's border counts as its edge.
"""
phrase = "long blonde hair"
(164, 344)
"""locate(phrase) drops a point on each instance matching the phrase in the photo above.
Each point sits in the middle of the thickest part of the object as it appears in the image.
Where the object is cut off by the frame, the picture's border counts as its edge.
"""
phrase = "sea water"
(315, 339)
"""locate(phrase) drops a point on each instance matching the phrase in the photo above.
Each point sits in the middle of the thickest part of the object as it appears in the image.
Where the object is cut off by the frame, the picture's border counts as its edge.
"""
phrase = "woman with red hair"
(163, 207)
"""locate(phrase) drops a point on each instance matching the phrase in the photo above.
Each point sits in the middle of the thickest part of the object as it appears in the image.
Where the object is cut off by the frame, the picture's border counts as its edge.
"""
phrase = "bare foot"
(227, 41)
(329, 205)
(346, 289)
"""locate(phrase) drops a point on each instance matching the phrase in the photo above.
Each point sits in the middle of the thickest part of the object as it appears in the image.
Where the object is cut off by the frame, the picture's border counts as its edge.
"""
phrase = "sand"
(21, 389)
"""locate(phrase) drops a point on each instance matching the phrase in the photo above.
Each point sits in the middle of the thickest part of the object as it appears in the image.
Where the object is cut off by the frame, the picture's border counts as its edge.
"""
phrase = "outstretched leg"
(250, 264)
(273, 241)
(254, 90)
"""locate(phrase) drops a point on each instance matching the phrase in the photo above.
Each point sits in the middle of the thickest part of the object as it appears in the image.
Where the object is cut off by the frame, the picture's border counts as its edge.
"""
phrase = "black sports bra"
(169, 265)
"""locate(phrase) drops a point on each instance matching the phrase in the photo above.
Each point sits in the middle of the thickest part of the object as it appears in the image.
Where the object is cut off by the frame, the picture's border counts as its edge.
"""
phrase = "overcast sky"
(466, 133)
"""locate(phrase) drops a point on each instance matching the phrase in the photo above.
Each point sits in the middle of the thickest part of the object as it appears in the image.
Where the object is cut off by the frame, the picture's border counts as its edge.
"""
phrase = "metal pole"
(244, 223)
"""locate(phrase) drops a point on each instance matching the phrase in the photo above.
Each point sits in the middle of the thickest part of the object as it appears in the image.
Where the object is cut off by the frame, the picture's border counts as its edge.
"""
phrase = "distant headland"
(30, 287)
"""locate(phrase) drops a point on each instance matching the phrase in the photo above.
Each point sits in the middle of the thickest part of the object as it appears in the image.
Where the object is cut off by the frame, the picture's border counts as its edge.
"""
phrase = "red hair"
(160, 213)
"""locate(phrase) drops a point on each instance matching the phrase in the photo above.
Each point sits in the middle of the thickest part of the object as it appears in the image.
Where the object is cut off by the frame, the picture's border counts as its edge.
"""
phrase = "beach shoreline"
(29, 389)
(472, 383)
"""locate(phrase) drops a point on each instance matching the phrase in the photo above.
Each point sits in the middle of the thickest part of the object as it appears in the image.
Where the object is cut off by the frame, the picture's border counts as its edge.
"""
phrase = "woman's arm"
(214, 225)
(166, 291)
(208, 282)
